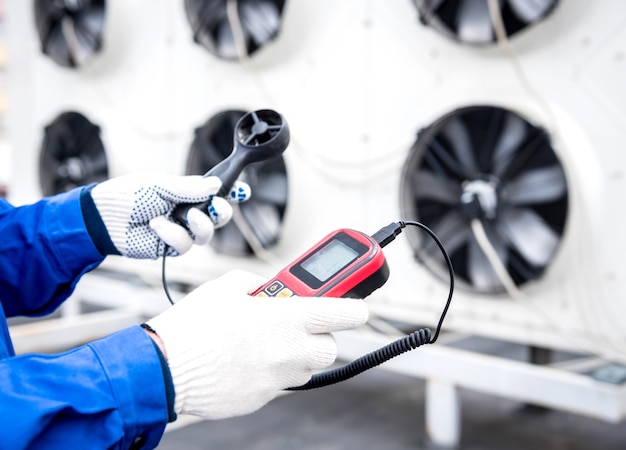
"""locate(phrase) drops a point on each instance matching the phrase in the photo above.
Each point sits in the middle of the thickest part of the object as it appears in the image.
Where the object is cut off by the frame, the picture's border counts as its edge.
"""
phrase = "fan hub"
(71, 5)
(73, 169)
(480, 198)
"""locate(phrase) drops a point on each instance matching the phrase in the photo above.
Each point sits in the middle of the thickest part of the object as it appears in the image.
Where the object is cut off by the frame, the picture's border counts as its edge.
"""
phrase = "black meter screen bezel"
(312, 281)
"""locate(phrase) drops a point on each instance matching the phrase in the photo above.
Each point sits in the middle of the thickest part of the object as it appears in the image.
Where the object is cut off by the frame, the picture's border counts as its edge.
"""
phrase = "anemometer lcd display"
(346, 263)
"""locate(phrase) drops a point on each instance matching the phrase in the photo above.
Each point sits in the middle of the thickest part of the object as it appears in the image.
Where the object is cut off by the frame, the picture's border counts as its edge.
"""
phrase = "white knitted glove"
(230, 353)
(136, 211)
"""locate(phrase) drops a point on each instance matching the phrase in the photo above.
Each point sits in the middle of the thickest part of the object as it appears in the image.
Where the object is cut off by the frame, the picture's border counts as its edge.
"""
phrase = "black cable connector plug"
(388, 233)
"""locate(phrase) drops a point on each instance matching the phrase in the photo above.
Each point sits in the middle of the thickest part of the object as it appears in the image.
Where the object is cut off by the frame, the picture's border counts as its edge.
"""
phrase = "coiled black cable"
(368, 361)
(396, 348)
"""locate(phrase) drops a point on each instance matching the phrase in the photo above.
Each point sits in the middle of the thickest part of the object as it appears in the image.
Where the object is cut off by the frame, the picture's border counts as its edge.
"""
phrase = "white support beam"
(446, 368)
(443, 413)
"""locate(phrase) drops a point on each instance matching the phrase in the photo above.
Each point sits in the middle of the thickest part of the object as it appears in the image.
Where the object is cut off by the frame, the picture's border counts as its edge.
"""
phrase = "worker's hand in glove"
(136, 212)
(230, 353)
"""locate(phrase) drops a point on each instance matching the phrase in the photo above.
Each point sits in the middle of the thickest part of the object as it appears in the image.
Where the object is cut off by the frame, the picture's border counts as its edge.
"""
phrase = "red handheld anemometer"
(346, 263)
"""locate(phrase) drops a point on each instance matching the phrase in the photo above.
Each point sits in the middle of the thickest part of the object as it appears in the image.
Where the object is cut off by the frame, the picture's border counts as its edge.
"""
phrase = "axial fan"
(72, 154)
(470, 21)
(263, 213)
(70, 31)
(253, 24)
(489, 164)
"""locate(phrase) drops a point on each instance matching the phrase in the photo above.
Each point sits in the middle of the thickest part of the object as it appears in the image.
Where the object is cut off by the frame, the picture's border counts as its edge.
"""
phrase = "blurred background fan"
(262, 215)
(72, 154)
(232, 29)
(471, 21)
(489, 164)
(70, 31)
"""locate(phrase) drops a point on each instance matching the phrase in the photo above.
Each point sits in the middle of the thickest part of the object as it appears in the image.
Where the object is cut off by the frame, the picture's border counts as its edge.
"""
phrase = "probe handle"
(228, 171)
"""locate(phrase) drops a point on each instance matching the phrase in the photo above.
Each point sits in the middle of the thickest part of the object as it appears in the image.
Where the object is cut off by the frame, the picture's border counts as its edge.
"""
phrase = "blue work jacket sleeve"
(44, 250)
(108, 394)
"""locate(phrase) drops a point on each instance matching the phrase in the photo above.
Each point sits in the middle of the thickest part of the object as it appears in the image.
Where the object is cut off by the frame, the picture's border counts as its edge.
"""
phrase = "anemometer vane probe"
(259, 136)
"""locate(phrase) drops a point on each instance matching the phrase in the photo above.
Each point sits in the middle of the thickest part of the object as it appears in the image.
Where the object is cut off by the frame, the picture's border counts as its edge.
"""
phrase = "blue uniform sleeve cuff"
(95, 225)
(135, 373)
(170, 392)
(66, 229)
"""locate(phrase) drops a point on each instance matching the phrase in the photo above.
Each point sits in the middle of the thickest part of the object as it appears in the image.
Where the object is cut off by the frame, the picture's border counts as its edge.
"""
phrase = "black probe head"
(258, 136)
(263, 133)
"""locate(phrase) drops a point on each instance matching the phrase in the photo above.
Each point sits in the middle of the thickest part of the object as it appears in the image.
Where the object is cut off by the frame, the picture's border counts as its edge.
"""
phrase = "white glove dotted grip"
(136, 209)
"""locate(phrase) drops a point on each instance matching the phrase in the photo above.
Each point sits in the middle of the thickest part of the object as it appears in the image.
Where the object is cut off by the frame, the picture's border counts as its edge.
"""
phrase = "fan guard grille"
(490, 164)
(263, 213)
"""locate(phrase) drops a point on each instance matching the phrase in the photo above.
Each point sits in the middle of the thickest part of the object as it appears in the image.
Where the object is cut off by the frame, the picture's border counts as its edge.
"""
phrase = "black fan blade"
(229, 241)
(431, 5)
(261, 20)
(70, 33)
(470, 21)
(213, 142)
(96, 167)
(511, 138)
(197, 161)
(528, 234)
(205, 15)
(480, 270)
(82, 34)
(453, 232)
(531, 11)
(427, 185)
(271, 188)
(474, 22)
(537, 186)
(264, 220)
(56, 47)
(72, 154)
(459, 137)
(225, 42)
